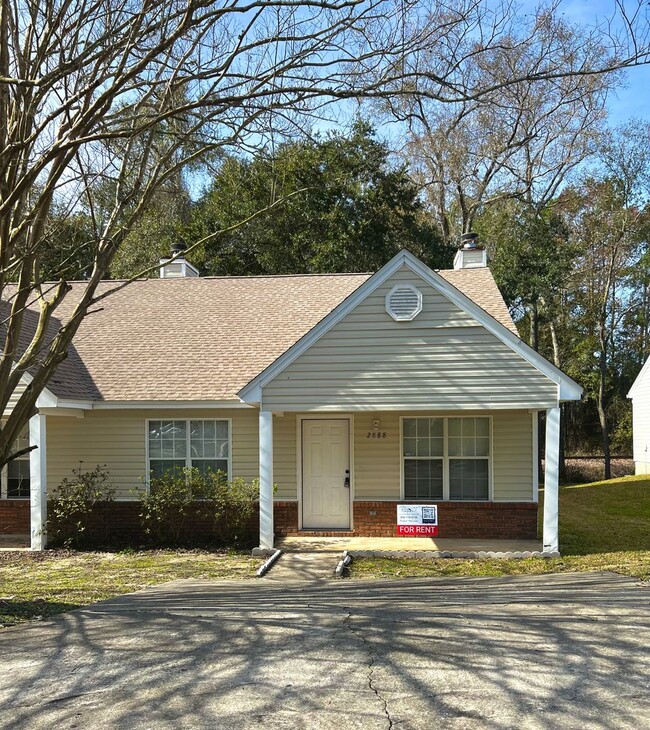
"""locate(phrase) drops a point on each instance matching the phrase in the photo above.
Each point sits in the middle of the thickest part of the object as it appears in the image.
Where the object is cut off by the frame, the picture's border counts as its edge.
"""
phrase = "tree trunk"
(602, 414)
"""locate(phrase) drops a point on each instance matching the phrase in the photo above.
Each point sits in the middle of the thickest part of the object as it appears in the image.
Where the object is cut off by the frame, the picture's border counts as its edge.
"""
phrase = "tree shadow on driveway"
(559, 651)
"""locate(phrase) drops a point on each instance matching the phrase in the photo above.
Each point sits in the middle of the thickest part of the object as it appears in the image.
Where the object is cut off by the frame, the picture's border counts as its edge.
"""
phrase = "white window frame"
(188, 452)
(4, 479)
(445, 458)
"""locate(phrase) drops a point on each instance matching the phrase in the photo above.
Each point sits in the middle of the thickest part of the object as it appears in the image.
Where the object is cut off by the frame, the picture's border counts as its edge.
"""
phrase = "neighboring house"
(640, 395)
(350, 392)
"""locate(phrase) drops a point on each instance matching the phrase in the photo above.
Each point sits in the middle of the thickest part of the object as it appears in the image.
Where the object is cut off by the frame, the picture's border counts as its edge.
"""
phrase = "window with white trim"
(176, 444)
(15, 475)
(446, 458)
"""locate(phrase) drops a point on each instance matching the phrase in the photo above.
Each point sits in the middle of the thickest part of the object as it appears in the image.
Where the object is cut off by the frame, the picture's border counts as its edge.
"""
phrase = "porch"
(352, 470)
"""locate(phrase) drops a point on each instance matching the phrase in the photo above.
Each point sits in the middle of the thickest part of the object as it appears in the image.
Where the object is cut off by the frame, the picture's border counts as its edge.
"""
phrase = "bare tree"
(524, 133)
(105, 102)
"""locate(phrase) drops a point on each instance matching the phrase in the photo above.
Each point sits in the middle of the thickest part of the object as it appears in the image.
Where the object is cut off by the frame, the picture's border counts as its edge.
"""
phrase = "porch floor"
(339, 544)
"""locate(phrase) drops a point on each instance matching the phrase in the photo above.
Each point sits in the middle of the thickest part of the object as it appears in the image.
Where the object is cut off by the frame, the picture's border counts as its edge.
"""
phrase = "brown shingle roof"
(203, 339)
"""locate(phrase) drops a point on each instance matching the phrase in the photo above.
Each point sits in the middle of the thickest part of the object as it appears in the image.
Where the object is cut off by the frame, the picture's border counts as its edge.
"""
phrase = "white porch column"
(38, 482)
(266, 479)
(551, 480)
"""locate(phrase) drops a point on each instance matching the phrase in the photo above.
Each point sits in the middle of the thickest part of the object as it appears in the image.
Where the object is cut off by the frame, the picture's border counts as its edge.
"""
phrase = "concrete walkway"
(303, 566)
(339, 544)
(532, 652)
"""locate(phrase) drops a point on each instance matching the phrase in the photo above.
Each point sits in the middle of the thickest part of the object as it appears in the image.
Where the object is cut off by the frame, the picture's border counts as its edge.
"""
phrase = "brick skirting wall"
(14, 516)
(475, 520)
(120, 521)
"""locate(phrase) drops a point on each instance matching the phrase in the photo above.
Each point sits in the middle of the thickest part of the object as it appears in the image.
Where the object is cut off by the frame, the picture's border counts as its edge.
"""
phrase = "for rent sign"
(417, 520)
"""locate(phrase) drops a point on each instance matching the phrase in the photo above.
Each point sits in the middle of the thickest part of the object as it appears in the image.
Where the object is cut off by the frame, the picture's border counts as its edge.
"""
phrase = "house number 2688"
(377, 435)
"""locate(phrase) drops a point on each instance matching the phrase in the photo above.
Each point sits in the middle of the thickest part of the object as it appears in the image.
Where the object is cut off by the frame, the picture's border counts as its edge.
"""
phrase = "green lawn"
(42, 584)
(603, 526)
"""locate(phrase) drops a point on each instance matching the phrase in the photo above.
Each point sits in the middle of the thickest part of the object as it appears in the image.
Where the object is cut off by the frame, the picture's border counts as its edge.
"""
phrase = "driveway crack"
(347, 621)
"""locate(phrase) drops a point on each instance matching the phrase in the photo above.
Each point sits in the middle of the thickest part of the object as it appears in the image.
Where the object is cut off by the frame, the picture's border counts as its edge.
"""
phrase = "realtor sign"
(417, 520)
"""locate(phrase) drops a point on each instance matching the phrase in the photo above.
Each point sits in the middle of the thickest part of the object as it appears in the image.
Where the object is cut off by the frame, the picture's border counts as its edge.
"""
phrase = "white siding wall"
(442, 359)
(14, 397)
(641, 424)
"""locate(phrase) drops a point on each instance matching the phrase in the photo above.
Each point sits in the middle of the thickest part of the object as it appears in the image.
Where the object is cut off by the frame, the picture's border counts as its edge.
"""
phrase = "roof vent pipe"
(470, 255)
(176, 266)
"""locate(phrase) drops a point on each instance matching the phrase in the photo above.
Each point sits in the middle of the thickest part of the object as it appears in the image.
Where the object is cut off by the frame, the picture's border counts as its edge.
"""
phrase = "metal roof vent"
(404, 302)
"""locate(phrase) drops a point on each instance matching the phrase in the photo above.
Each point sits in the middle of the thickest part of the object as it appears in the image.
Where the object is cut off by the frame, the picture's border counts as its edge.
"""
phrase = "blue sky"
(633, 100)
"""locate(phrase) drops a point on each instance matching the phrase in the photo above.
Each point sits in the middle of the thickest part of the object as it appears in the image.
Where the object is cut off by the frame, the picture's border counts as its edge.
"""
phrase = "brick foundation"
(119, 522)
(474, 520)
(14, 516)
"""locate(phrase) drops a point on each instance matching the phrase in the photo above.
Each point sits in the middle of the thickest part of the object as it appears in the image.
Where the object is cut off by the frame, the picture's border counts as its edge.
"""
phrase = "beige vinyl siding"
(641, 425)
(512, 444)
(284, 456)
(377, 461)
(443, 359)
(118, 439)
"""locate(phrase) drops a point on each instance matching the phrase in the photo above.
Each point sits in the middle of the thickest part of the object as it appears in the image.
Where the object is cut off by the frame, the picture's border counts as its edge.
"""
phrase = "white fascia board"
(46, 397)
(643, 373)
(568, 389)
(167, 404)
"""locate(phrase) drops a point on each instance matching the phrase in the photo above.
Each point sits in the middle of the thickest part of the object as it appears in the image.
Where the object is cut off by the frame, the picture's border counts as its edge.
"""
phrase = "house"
(640, 396)
(352, 393)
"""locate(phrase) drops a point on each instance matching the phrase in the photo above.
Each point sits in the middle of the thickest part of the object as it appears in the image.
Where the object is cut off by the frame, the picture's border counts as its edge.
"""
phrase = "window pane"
(437, 446)
(408, 426)
(454, 427)
(422, 427)
(468, 447)
(437, 427)
(423, 447)
(468, 479)
(167, 439)
(160, 467)
(18, 479)
(221, 429)
(455, 445)
(410, 447)
(211, 465)
(483, 427)
(468, 427)
(482, 447)
(423, 478)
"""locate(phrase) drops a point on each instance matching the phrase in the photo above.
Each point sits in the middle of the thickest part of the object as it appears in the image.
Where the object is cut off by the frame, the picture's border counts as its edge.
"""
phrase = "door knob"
(346, 481)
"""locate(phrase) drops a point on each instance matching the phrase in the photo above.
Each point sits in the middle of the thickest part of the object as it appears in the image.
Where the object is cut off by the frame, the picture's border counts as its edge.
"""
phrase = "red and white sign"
(417, 530)
(417, 520)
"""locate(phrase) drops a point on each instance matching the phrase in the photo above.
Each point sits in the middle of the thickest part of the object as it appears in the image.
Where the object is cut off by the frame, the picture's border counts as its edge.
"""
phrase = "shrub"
(169, 501)
(71, 509)
(234, 505)
(176, 496)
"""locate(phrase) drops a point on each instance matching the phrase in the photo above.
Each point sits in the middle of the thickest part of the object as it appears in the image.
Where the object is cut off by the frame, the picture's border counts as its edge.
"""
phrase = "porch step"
(319, 533)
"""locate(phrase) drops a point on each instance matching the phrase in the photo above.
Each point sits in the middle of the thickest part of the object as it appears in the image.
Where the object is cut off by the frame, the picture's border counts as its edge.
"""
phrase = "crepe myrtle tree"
(104, 103)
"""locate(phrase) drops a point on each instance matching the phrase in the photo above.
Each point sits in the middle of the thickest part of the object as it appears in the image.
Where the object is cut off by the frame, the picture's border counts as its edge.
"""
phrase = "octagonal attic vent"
(403, 302)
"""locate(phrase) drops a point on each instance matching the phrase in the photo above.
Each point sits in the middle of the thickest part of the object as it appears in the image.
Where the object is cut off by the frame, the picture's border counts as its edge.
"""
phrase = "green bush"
(233, 506)
(177, 496)
(169, 501)
(70, 511)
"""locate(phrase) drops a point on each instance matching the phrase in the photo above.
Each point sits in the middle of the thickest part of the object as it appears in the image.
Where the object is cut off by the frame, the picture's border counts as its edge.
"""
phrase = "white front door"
(326, 474)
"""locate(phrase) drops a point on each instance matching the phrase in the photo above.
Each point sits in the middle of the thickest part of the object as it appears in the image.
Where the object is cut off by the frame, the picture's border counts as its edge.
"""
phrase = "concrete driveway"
(564, 651)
